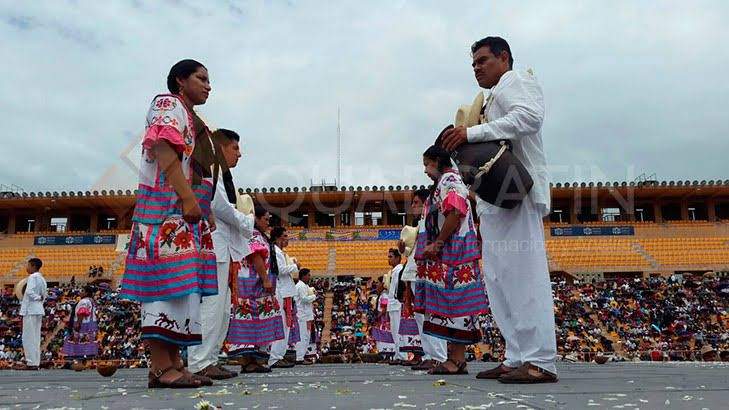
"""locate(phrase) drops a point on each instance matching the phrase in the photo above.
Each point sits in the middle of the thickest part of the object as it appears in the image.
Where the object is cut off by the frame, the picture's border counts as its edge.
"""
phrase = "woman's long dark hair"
(182, 70)
(259, 212)
(440, 156)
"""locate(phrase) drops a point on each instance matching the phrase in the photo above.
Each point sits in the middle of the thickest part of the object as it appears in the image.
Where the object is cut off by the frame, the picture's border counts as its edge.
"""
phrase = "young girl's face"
(431, 168)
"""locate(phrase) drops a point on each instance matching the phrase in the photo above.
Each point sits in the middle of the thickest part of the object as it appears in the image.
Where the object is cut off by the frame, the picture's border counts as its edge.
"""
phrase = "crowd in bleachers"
(647, 319)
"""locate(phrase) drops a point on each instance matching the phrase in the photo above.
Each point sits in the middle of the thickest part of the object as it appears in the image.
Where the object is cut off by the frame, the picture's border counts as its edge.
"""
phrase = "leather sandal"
(185, 381)
(528, 374)
(441, 369)
(254, 367)
(495, 373)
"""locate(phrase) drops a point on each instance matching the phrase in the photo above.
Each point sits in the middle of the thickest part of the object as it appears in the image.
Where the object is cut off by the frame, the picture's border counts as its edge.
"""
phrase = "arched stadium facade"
(594, 231)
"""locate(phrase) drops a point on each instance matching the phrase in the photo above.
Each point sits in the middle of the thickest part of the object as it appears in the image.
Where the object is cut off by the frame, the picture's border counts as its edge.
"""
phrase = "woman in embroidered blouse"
(256, 321)
(450, 290)
(171, 261)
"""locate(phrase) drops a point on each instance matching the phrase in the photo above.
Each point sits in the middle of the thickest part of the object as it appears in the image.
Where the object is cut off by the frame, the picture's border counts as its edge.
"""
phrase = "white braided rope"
(485, 168)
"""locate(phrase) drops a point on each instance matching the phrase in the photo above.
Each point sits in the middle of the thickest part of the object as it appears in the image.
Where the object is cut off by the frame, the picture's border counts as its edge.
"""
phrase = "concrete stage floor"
(368, 386)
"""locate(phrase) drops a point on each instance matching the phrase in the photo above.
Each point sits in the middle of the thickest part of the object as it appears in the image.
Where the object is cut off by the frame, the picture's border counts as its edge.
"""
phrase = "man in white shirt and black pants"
(514, 257)
(232, 230)
(285, 292)
(31, 308)
(304, 299)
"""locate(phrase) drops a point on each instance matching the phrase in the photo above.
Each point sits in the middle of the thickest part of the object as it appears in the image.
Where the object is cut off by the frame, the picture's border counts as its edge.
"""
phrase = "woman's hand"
(267, 285)
(191, 211)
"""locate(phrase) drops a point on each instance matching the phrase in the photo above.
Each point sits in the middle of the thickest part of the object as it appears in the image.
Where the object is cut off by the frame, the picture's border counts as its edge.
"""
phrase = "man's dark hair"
(223, 136)
(423, 194)
(303, 272)
(394, 252)
(277, 232)
(496, 45)
(35, 263)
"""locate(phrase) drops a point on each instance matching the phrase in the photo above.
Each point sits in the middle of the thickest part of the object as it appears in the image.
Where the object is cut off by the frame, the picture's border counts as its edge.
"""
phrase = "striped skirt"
(256, 320)
(169, 260)
(451, 298)
(295, 332)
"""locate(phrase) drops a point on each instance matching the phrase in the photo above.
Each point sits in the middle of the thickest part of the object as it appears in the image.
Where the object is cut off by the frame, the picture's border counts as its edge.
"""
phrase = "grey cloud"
(628, 85)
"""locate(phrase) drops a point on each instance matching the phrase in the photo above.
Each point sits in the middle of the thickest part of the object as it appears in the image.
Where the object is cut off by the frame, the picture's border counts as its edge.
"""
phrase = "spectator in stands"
(31, 308)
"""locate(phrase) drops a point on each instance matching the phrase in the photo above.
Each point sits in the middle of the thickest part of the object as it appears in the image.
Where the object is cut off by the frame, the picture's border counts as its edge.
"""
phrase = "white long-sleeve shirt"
(392, 303)
(516, 112)
(233, 228)
(285, 287)
(36, 292)
(304, 301)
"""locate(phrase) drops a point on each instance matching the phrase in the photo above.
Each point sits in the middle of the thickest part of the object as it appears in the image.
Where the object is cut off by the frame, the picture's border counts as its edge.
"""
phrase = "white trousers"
(517, 283)
(32, 339)
(279, 347)
(215, 314)
(302, 345)
(395, 329)
(433, 348)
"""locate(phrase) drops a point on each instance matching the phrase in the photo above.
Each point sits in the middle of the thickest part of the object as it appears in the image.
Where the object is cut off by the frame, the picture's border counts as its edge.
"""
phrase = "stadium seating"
(310, 254)
(357, 256)
(594, 253)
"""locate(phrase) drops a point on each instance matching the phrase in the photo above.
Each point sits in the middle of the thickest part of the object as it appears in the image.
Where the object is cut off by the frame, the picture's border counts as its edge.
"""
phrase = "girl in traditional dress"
(450, 290)
(381, 333)
(256, 319)
(171, 262)
(81, 342)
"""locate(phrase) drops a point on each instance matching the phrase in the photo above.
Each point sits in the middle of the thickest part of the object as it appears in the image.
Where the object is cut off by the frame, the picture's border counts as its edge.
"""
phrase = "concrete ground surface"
(369, 386)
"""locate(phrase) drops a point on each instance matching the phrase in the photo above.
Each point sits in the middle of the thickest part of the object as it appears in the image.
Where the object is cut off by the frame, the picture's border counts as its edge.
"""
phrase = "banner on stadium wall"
(74, 240)
(593, 231)
(122, 242)
(388, 235)
(347, 235)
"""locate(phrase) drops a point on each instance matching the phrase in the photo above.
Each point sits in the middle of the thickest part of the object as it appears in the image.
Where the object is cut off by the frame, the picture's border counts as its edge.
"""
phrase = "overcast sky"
(630, 86)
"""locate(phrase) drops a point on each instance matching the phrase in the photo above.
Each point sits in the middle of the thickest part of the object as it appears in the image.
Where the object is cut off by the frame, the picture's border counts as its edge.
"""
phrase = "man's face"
(284, 240)
(392, 259)
(489, 68)
(29, 268)
(231, 153)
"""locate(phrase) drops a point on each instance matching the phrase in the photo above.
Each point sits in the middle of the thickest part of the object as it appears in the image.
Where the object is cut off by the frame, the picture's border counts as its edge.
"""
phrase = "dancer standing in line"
(304, 299)
(435, 350)
(256, 321)
(394, 306)
(381, 331)
(285, 292)
(451, 294)
(31, 308)
(171, 261)
(515, 261)
(81, 341)
(230, 239)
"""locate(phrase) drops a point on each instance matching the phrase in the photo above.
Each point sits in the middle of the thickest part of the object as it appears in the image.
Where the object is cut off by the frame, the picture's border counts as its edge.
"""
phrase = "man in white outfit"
(394, 306)
(304, 299)
(31, 308)
(435, 350)
(514, 257)
(230, 239)
(285, 292)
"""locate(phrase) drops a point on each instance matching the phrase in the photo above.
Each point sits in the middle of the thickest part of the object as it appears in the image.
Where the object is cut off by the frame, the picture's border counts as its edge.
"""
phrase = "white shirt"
(233, 228)
(285, 287)
(36, 292)
(516, 113)
(392, 303)
(304, 301)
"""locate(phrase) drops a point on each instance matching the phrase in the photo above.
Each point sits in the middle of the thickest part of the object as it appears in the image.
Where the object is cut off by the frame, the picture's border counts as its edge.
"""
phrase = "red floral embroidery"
(436, 273)
(464, 275)
(165, 104)
(167, 232)
(183, 239)
(207, 241)
(244, 307)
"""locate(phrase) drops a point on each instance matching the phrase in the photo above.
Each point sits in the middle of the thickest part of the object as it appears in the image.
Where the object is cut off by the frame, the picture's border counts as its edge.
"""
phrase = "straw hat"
(408, 235)
(244, 204)
(706, 349)
(20, 288)
(468, 116)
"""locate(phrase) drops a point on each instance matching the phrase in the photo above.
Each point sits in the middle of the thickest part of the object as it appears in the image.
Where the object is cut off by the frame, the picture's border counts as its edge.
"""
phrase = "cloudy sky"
(630, 86)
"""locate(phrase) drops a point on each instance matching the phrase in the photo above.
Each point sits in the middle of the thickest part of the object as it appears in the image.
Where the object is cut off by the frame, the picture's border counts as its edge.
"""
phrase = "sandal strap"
(159, 373)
